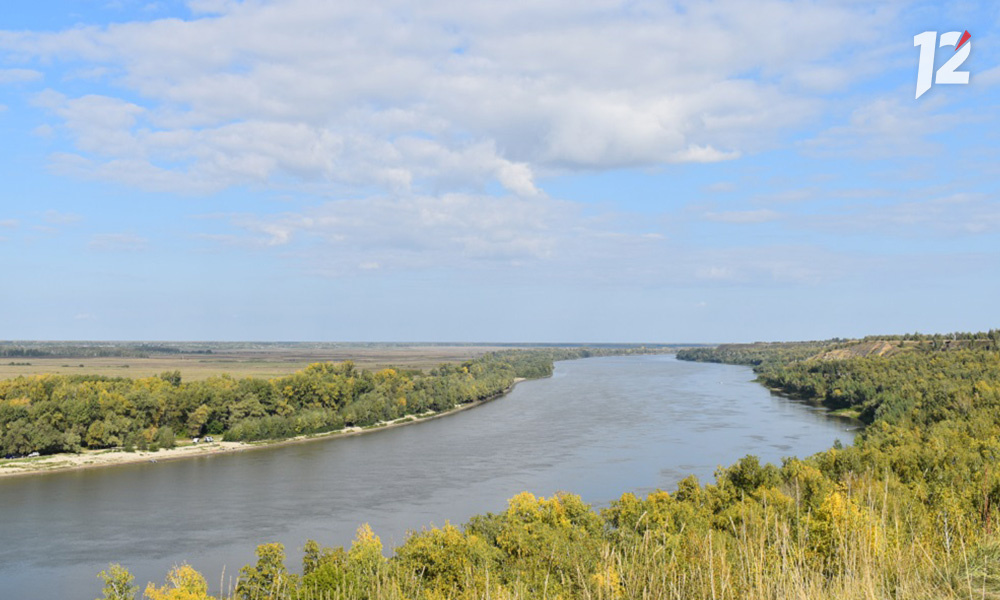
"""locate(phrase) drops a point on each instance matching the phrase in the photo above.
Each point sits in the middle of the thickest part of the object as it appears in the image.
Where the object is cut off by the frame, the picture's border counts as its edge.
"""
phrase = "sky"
(519, 171)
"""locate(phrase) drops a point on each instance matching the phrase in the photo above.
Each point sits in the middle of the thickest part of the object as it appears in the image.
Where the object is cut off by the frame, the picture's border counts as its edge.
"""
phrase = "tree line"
(69, 413)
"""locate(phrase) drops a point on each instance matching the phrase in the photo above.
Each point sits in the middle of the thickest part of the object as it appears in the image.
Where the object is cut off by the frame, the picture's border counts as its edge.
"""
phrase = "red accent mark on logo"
(965, 38)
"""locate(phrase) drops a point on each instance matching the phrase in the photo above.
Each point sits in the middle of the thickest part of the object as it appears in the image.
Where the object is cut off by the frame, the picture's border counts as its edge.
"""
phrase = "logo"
(948, 73)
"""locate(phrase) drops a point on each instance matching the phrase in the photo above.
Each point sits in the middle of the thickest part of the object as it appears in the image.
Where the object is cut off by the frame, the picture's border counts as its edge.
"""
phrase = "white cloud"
(213, 7)
(769, 265)
(516, 177)
(517, 239)
(19, 75)
(825, 78)
(444, 97)
(717, 273)
(9, 223)
(886, 128)
(101, 125)
(134, 172)
(743, 216)
(703, 154)
(55, 217)
(958, 214)
(989, 77)
(416, 232)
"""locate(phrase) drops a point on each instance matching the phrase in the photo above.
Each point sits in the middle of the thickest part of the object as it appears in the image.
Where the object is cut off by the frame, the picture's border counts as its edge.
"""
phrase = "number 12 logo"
(947, 72)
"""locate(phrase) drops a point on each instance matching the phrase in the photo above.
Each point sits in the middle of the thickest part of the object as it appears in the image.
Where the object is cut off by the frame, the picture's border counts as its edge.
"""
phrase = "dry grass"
(265, 363)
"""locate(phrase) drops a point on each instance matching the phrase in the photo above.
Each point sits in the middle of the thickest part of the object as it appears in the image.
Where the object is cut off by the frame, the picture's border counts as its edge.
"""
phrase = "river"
(598, 427)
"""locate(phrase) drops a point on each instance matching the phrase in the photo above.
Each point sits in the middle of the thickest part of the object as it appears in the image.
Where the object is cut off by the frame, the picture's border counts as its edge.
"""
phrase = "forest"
(908, 511)
(68, 413)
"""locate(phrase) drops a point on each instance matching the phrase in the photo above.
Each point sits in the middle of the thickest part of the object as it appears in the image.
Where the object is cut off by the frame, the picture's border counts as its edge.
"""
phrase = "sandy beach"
(88, 459)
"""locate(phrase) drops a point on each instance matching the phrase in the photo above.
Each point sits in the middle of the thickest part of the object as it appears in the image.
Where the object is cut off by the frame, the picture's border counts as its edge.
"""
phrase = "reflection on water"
(598, 427)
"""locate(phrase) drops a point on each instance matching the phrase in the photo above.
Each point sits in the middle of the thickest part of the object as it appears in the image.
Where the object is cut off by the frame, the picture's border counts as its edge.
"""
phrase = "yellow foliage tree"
(183, 583)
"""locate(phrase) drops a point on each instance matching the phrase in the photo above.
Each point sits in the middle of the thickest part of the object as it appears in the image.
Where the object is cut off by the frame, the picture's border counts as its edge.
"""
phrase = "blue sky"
(521, 171)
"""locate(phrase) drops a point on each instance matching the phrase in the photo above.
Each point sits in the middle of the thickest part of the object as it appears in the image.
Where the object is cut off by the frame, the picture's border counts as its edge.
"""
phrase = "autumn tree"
(183, 583)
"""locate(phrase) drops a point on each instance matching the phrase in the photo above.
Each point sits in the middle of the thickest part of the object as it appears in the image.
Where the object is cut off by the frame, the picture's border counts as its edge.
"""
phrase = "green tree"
(171, 377)
(119, 584)
(198, 419)
(365, 562)
(268, 578)
(324, 570)
(165, 437)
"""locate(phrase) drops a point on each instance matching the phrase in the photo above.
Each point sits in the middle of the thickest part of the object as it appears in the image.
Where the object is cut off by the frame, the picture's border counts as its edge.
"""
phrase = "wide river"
(598, 427)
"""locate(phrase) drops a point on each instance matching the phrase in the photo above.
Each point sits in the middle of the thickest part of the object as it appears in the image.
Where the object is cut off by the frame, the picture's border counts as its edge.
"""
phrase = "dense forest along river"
(598, 427)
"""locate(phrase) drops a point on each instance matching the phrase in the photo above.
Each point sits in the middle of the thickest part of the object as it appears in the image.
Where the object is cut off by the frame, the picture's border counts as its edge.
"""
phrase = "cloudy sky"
(585, 170)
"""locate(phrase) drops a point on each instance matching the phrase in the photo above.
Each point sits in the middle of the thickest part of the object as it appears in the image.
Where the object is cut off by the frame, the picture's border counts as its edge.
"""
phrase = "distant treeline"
(909, 511)
(121, 349)
(993, 335)
(67, 413)
(52, 350)
(758, 354)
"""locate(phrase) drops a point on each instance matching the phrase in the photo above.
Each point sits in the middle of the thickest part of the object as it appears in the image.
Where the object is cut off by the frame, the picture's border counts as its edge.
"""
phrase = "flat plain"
(239, 360)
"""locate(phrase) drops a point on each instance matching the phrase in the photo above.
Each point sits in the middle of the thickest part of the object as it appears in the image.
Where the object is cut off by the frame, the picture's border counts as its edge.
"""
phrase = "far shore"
(89, 459)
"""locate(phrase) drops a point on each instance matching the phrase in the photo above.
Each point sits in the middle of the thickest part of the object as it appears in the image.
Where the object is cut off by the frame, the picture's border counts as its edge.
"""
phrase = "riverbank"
(850, 414)
(89, 459)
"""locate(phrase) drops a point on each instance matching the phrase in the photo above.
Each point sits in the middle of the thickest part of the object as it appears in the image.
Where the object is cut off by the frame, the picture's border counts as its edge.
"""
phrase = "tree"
(324, 570)
(448, 559)
(268, 578)
(171, 377)
(165, 437)
(118, 583)
(198, 419)
(183, 583)
(365, 562)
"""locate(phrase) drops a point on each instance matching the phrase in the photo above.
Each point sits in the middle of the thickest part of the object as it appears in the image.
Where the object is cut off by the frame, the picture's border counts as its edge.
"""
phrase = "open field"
(243, 360)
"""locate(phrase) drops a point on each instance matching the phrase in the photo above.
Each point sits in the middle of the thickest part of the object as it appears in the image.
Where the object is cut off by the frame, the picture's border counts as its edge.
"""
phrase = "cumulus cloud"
(452, 96)
(100, 125)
